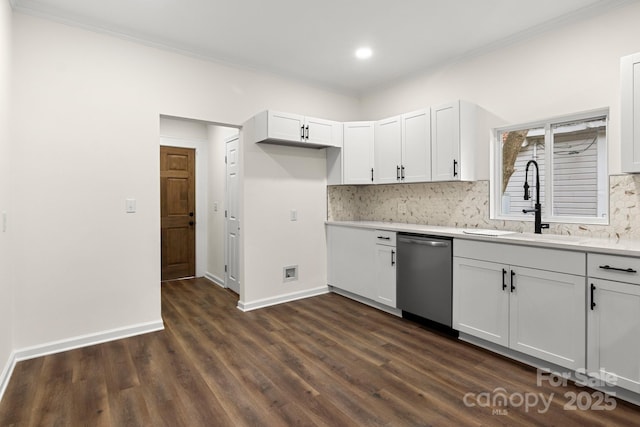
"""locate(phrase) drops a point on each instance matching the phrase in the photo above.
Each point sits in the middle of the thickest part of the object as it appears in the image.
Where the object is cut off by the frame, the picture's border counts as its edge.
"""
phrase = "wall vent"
(290, 273)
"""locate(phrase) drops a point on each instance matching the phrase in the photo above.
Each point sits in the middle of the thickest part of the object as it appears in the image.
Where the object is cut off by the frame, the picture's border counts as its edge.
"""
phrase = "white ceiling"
(314, 41)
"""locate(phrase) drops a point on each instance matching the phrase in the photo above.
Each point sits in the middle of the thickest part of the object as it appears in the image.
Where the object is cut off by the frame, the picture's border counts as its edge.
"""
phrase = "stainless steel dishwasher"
(424, 276)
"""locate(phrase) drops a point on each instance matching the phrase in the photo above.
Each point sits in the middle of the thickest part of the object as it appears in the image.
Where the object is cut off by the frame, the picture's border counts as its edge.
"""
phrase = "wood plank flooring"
(323, 361)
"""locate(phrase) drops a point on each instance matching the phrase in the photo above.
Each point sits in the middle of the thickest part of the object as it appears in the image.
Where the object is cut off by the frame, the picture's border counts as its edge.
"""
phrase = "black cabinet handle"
(593, 303)
(504, 282)
(624, 270)
(455, 164)
(306, 135)
(393, 258)
(402, 172)
(371, 174)
(513, 274)
(398, 173)
(302, 131)
(384, 237)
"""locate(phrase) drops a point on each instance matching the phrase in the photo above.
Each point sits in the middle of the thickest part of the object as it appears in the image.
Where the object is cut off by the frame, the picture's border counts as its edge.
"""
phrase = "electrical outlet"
(402, 208)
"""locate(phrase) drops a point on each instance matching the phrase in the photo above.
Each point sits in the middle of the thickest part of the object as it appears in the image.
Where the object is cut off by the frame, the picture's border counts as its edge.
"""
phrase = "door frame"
(202, 205)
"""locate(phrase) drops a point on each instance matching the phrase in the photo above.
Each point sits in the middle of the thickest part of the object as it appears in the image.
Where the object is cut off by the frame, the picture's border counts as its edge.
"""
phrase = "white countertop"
(574, 243)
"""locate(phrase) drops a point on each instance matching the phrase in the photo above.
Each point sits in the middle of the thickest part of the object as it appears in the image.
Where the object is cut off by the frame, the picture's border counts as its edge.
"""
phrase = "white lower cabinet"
(613, 318)
(362, 261)
(531, 310)
(385, 269)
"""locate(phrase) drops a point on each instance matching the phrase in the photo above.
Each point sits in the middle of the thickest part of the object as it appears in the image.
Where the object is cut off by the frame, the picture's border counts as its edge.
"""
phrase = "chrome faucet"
(537, 209)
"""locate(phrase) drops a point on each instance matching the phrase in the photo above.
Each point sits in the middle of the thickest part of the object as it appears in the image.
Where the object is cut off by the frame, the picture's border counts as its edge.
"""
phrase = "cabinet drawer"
(558, 260)
(614, 267)
(385, 237)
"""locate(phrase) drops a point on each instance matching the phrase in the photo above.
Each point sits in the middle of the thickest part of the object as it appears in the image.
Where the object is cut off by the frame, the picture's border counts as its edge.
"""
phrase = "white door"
(481, 299)
(285, 126)
(385, 261)
(325, 132)
(547, 316)
(445, 142)
(388, 141)
(613, 332)
(357, 153)
(232, 266)
(416, 147)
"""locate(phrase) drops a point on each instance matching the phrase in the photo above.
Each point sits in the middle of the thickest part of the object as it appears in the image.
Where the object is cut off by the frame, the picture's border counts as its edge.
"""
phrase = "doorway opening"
(208, 141)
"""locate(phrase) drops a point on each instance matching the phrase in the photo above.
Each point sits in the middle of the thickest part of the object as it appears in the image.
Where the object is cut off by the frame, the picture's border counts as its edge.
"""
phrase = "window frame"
(496, 169)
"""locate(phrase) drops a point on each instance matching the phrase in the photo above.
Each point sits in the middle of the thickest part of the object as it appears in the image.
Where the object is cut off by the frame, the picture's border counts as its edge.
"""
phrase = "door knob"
(191, 223)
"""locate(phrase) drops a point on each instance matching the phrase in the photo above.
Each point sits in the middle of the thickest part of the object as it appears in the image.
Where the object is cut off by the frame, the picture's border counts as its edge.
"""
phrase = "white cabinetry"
(293, 129)
(528, 299)
(362, 262)
(385, 268)
(613, 344)
(403, 148)
(357, 153)
(350, 259)
(630, 114)
(460, 135)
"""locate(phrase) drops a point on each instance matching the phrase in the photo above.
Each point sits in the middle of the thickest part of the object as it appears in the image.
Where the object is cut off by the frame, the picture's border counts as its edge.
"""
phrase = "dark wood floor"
(321, 361)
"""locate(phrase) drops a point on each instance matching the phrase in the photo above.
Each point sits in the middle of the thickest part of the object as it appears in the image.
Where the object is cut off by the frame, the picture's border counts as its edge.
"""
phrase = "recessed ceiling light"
(364, 53)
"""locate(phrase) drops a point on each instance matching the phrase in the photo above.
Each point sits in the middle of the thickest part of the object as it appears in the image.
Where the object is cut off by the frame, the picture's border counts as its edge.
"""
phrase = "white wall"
(6, 277)
(217, 196)
(87, 110)
(277, 180)
(575, 68)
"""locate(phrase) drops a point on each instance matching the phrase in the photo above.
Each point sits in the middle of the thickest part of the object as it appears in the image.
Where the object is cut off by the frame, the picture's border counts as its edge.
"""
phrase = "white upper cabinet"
(630, 114)
(416, 147)
(403, 148)
(388, 150)
(275, 127)
(445, 142)
(460, 141)
(357, 153)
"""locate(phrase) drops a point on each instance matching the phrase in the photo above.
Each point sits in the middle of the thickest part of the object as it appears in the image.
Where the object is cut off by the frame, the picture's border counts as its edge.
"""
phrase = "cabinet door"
(324, 132)
(385, 282)
(630, 114)
(416, 147)
(481, 299)
(357, 153)
(614, 331)
(445, 142)
(547, 316)
(350, 259)
(285, 126)
(387, 149)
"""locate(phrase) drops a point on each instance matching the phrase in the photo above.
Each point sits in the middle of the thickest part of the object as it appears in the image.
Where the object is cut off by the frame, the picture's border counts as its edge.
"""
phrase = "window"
(571, 157)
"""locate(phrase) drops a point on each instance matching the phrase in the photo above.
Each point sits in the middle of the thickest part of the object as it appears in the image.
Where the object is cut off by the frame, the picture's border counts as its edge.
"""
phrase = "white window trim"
(495, 211)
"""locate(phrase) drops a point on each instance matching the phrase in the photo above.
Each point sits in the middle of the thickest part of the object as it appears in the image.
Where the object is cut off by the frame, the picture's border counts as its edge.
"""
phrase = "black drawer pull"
(384, 238)
(504, 283)
(513, 274)
(625, 270)
(393, 258)
(593, 303)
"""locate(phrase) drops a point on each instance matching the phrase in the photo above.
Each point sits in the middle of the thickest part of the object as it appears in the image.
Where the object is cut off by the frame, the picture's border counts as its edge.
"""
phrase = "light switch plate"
(131, 205)
(294, 215)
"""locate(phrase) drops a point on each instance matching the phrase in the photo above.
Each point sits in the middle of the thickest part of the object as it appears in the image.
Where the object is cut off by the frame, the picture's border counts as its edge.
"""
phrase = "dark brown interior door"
(177, 211)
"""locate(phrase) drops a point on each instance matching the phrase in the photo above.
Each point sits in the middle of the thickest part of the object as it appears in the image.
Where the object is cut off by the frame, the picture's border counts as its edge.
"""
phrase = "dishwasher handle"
(432, 243)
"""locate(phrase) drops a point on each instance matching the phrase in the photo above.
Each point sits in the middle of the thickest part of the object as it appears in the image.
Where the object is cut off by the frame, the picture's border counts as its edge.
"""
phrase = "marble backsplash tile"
(466, 205)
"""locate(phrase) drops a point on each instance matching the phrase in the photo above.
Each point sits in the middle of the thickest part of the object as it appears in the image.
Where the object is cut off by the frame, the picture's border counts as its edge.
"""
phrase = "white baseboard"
(6, 373)
(87, 340)
(266, 302)
(215, 279)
